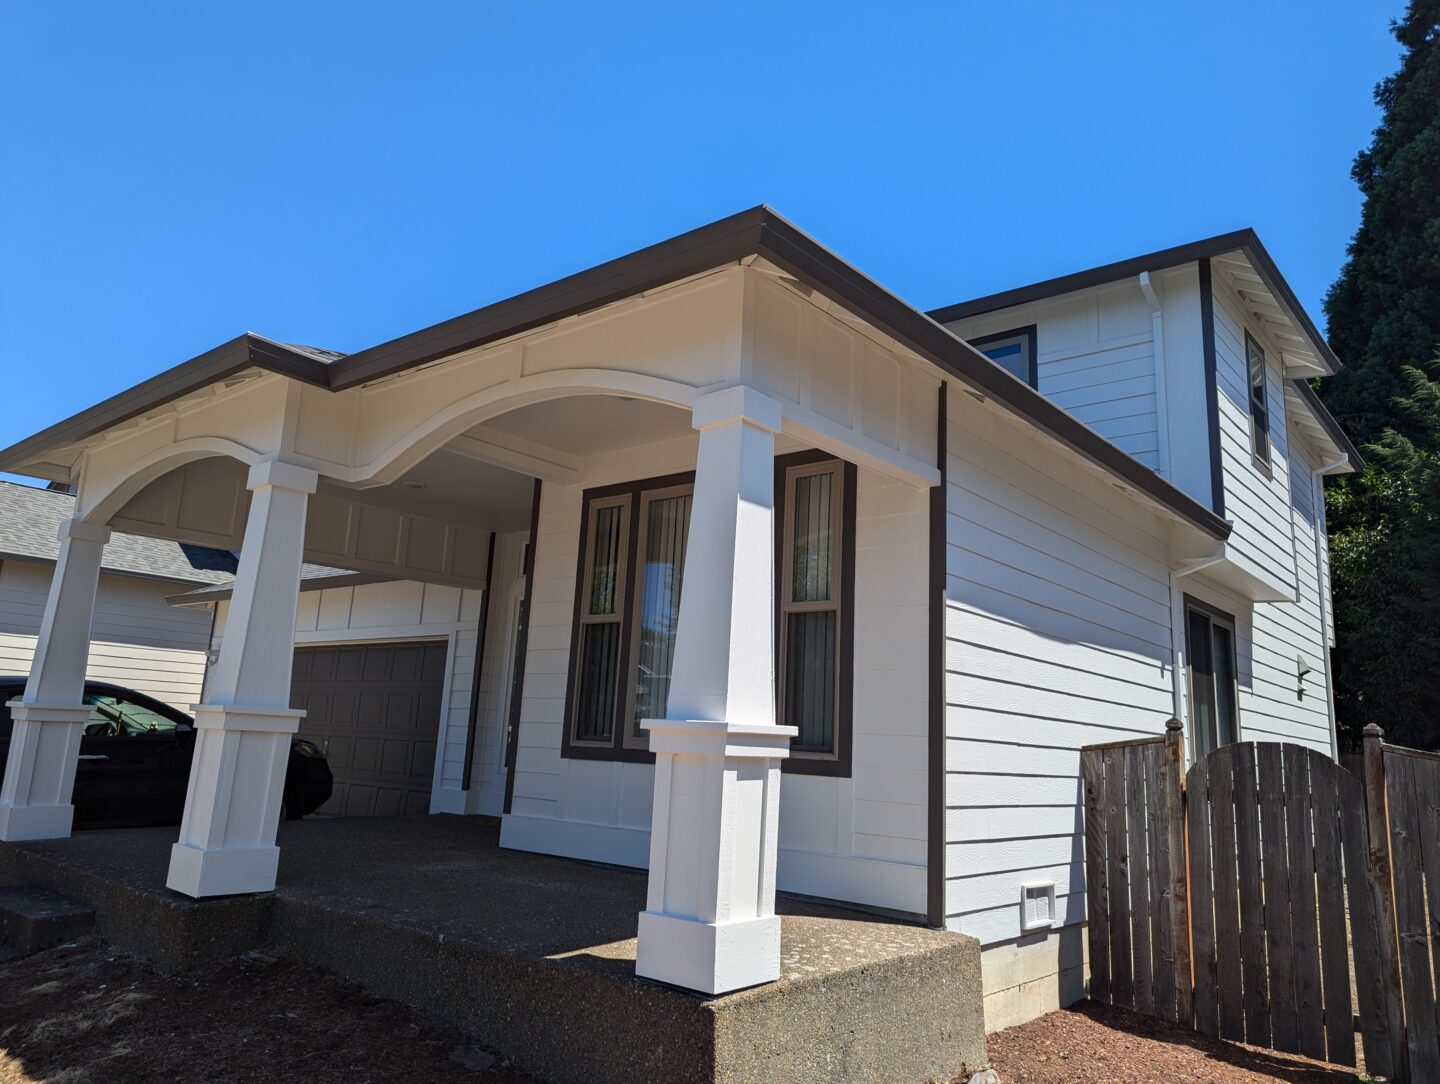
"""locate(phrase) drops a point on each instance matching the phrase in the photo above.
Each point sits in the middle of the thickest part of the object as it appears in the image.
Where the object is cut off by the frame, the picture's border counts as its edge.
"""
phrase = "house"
(721, 561)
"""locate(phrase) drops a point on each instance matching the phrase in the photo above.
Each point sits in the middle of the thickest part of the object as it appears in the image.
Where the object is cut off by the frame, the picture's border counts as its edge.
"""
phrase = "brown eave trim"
(1330, 425)
(240, 353)
(1245, 240)
(221, 592)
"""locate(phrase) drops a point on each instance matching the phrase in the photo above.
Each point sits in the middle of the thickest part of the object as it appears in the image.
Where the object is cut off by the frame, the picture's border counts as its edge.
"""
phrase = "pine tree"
(1384, 323)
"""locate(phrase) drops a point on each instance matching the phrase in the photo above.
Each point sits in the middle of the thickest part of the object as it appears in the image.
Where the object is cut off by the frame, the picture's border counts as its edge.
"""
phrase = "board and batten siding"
(137, 639)
(1058, 635)
(860, 839)
(1096, 358)
(402, 610)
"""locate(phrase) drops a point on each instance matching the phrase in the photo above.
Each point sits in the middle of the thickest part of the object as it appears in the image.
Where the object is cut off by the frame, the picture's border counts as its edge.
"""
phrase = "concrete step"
(32, 919)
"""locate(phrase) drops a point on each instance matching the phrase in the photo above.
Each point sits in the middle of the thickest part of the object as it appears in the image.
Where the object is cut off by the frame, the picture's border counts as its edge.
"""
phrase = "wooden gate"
(1231, 899)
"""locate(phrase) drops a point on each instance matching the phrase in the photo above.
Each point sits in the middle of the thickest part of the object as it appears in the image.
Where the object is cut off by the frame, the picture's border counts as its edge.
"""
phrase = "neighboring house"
(137, 639)
(947, 567)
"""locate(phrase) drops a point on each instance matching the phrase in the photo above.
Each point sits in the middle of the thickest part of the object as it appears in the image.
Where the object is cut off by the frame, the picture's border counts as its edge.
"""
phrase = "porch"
(535, 955)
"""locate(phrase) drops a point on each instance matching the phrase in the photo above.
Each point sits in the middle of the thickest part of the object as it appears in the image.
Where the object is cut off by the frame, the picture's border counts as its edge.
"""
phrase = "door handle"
(93, 756)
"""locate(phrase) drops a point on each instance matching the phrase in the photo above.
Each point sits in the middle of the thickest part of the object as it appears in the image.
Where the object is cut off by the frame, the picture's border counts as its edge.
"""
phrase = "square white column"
(709, 922)
(35, 797)
(242, 736)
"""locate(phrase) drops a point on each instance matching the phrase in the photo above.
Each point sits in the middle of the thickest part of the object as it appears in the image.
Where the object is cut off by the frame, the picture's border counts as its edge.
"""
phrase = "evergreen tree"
(1384, 323)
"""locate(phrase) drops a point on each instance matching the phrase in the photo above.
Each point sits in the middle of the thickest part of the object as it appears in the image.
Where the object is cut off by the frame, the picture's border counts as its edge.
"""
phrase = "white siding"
(1096, 358)
(137, 639)
(487, 791)
(1058, 635)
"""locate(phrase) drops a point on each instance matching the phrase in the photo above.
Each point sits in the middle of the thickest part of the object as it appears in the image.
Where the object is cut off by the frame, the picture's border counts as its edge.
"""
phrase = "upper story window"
(1013, 351)
(631, 570)
(1259, 408)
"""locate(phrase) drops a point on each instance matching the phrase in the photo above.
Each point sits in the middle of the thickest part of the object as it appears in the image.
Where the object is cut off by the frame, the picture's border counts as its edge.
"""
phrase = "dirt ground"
(82, 1014)
(1091, 1043)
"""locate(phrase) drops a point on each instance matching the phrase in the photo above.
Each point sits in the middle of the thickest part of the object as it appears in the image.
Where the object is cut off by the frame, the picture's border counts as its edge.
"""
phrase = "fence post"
(1179, 870)
(1384, 889)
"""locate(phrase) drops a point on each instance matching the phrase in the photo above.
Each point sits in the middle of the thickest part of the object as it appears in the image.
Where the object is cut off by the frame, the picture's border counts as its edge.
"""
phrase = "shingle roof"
(30, 519)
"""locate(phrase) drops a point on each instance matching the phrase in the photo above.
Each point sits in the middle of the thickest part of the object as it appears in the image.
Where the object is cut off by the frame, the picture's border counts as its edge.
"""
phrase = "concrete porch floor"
(535, 955)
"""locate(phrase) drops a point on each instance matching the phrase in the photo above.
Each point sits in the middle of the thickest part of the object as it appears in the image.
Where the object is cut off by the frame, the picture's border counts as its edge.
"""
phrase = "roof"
(1328, 425)
(30, 521)
(758, 232)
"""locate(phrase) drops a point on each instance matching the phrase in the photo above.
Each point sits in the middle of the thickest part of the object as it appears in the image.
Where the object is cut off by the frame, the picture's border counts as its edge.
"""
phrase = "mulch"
(1090, 1043)
(82, 1014)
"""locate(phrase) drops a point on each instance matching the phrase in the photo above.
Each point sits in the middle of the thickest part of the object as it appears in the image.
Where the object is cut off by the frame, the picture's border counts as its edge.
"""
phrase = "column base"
(195, 871)
(711, 957)
(22, 822)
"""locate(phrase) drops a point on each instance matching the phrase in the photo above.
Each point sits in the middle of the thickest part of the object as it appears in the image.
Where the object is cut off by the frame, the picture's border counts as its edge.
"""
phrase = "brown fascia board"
(221, 591)
(246, 351)
(756, 232)
(1330, 425)
(1245, 240)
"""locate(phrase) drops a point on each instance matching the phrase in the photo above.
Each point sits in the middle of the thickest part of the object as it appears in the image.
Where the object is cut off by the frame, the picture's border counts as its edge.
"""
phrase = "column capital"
(738, 403)
(80, 531)
(282, 474)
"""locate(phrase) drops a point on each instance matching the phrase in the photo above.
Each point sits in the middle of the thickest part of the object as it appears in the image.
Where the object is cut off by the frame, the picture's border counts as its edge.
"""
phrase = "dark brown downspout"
(480, 631)
(512, 746)
(935, 835)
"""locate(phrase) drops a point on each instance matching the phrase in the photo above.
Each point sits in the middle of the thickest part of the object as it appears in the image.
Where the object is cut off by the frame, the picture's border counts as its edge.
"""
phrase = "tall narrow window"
(664, 532)
(598, 662)
(1259, 408)
(811, 591)
(1210, 653)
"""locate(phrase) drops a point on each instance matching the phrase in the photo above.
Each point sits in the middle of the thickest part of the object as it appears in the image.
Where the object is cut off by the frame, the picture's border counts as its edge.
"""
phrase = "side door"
(134, 761)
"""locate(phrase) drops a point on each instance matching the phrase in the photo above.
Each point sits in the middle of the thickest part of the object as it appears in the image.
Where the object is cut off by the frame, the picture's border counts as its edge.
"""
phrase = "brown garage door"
(375, 710)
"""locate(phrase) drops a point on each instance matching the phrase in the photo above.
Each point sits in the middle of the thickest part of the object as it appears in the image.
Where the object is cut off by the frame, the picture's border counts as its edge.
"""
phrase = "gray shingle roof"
(30, 519)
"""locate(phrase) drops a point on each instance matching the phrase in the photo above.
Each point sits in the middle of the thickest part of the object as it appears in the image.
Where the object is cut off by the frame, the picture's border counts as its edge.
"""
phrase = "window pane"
(1224, 655)
(605, 560)
(124, 718)
(810, 678)
(595, 696)
(810, 556)
(1202, 683)
(667, 530)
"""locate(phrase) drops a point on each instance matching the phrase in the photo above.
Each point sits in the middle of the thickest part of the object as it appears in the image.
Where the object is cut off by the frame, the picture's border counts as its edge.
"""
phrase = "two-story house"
(727, 563)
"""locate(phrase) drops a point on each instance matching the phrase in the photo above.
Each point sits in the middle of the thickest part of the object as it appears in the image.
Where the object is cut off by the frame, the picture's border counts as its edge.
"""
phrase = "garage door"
(375, 710)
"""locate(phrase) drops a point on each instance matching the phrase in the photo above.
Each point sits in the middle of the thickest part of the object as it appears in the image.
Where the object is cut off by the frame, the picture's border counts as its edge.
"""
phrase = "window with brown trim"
(1259, 407)
(1213, 673)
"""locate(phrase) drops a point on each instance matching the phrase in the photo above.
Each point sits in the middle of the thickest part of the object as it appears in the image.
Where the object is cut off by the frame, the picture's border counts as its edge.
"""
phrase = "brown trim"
(1212, 387)
(617, 749)
(935, 809)
(223, 591)
(757, 232)
(481, 627)
(1328, 423)
(1212, 613)
(517, 691)
(1253, 344)
(1029, 332)
(841, 765)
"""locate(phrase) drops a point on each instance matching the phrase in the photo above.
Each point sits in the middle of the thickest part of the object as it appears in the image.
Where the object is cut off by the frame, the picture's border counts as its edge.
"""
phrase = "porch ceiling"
(590, 424)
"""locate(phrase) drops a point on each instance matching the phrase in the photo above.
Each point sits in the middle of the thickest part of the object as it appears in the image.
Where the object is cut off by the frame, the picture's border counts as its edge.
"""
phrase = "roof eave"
(1332, 427)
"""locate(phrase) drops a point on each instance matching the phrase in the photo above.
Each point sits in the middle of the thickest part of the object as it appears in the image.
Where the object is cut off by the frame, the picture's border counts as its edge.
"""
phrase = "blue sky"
(342, 173)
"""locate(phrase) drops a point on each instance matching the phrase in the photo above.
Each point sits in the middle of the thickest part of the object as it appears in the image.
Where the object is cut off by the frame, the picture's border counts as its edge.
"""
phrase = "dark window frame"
(1030, 334)
(1261, 446)
(1214, 615)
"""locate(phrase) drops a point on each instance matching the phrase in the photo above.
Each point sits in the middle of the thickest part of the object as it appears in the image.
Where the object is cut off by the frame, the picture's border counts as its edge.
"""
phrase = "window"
(815, 572)
(632, 563)
(1014, 351)
(1259, 409)
(113, 716)
(1210, 654)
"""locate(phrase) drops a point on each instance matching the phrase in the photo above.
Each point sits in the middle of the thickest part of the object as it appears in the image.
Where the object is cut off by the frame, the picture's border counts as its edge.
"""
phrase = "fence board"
(1161, 924)
(1096, 892)
(1391, 1062)
(1280, 944)
(1304, 929)
(1330, 884)
(1117, 865)
(1202, 906)
(1178, 884)
(1138, 850)
(1230, 985)
(1251, 893)
(1410, 917)
(1364, 933)
(1426, 776)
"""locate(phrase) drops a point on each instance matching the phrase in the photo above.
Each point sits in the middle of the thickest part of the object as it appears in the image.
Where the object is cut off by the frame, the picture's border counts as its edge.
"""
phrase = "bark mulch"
(1090, 1043)
(82, 1014)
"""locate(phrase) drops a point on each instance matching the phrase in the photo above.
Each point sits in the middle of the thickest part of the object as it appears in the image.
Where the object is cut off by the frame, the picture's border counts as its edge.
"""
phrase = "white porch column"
(40, 772)
(242, 735)
(709, 922)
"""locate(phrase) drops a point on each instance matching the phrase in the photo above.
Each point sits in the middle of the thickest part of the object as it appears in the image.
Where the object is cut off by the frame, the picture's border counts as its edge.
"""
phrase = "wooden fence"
(1239, 899)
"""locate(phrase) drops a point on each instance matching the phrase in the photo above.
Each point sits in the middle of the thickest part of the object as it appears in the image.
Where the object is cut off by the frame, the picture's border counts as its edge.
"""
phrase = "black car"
(135, 760)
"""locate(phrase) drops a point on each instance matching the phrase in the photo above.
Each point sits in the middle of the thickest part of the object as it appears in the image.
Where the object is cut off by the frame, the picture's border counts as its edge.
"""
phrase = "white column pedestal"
(237, 781)
(35, 800)
(710, 922)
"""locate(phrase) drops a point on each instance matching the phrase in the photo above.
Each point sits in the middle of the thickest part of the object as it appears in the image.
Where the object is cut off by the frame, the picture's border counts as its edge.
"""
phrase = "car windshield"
(125, 717)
